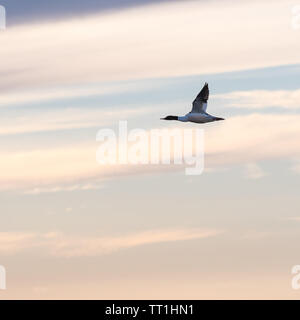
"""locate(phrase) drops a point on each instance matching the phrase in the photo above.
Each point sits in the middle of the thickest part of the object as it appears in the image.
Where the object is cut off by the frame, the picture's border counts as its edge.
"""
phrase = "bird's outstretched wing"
(200, 103)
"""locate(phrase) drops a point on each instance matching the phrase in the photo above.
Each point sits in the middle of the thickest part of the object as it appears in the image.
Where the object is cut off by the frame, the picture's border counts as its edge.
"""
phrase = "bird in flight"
(198, 113)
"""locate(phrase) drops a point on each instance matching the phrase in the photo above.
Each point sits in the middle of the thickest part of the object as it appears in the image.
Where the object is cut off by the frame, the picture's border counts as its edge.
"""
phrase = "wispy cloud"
(257, 99)
(254, 234)
(252, 138)
(153, 41)
(66, 188)
(296, 167)
(292, 219)
(48, 94)
(68, 118)
(245, 139)
(11, 242)
(254, 171)
(58, 244)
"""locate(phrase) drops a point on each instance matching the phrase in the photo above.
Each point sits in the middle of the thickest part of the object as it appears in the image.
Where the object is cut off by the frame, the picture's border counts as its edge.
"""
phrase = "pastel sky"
(73, 229)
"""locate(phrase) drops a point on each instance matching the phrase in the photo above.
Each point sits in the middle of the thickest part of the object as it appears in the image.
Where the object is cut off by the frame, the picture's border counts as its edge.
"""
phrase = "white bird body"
(198, 113)
(197, 117)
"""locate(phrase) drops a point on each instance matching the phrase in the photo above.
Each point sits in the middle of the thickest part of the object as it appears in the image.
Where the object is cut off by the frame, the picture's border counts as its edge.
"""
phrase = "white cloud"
(261, 99)
(58, 244)
(69, 118)
(162, 40)
(251, 138)
(51, 93)
(245, 139)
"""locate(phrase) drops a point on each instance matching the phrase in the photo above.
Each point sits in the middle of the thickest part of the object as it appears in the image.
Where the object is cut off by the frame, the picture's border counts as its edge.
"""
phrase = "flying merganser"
(198, 113)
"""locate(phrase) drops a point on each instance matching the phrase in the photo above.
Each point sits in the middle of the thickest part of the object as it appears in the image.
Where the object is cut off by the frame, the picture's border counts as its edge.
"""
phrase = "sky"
(73, 229)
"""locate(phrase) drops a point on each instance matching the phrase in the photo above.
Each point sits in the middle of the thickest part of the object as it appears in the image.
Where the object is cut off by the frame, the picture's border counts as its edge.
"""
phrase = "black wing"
(200, 103)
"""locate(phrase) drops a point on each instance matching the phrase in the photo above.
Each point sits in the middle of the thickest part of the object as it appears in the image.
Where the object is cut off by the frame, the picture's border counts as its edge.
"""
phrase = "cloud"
(252, 138)
(296, 168)
(254, 171)
(245, 139)
(52, 93)
(292, 218)
(257, 99)
(13, 242)
(58, 244)
(50, 167)
(161, 40)
(69, 118)
(254, 234)
(64, 188)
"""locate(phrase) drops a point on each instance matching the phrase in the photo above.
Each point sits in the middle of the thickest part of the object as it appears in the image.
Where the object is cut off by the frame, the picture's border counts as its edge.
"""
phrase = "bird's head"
(170, 118)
